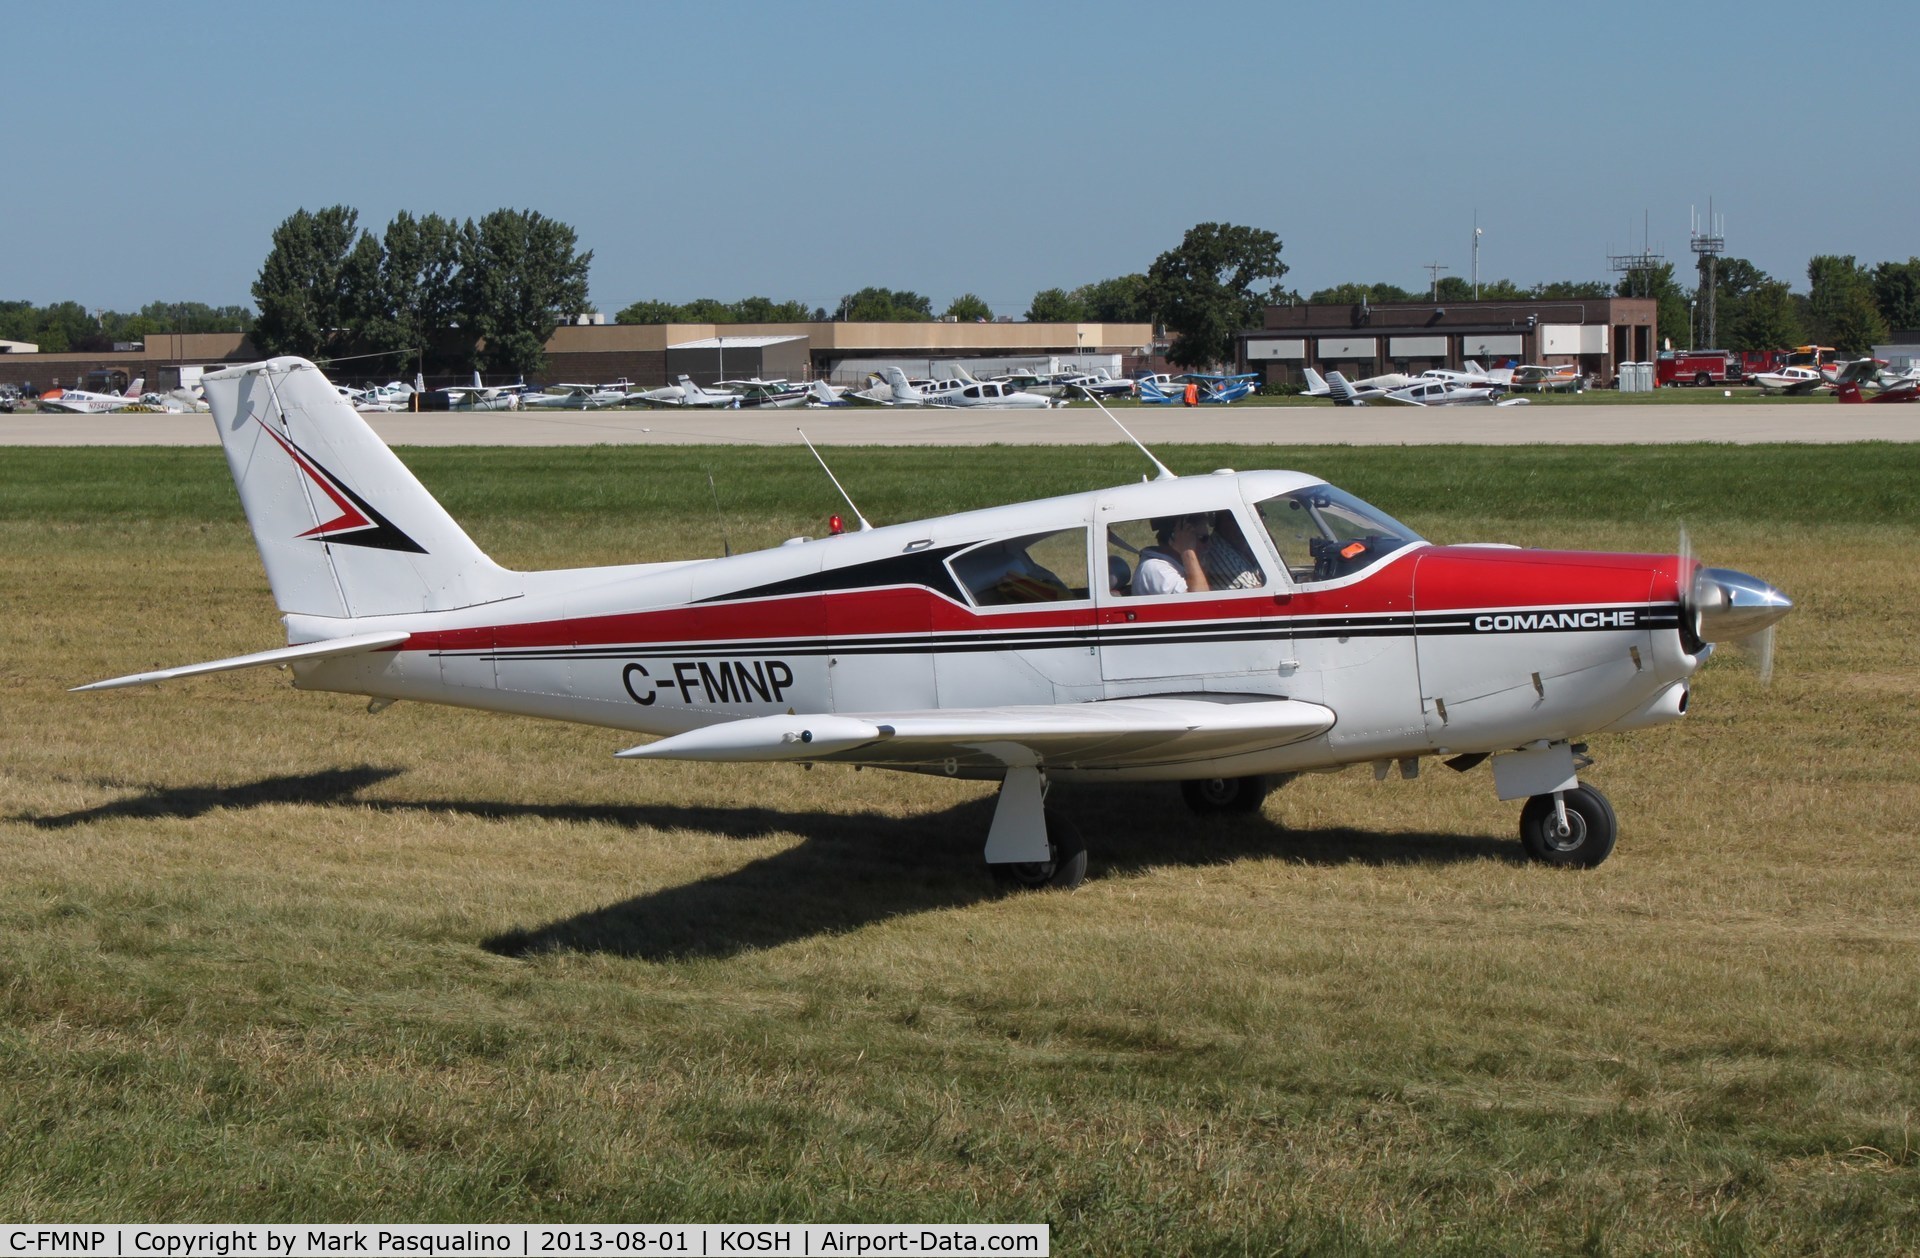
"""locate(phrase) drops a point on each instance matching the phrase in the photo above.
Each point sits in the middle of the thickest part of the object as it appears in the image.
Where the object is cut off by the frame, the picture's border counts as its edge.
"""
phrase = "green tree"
(417, 294)
(1205, 289)
(1841, 308)
(1896, 287)
(1122, 299)
(883, 305)
(968, 308)
(649, 312)
(1056, 305)
(1734, 283)
(299, 292)
(706, 310)
(1355, 294)
(1769, 318)
(519, 277)
(1570, 290)
(767, 310)
(191, 316)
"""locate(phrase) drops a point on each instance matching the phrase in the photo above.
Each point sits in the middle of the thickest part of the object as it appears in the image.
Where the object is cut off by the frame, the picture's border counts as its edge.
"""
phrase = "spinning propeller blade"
(1723, 605)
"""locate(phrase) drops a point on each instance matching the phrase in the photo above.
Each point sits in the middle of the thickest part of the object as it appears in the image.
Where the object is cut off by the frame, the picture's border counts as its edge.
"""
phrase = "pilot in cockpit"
(1195, 554)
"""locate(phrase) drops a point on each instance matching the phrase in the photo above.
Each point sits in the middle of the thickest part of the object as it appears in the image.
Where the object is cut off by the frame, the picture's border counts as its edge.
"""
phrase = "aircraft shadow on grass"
(848, 870)
(327, 786)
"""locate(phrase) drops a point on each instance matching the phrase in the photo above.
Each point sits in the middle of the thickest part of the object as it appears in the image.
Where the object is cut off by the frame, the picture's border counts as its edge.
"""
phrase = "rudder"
(344, 529)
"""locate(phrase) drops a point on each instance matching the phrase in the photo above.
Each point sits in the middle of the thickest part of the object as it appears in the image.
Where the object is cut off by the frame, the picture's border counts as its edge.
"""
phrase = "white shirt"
(1158, 574)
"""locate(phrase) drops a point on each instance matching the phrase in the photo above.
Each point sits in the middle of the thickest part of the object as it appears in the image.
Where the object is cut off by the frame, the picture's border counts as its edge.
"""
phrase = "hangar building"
(1361, 340)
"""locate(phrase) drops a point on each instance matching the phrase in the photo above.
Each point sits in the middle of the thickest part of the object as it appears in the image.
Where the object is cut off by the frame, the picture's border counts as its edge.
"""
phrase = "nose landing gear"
(1574, 829)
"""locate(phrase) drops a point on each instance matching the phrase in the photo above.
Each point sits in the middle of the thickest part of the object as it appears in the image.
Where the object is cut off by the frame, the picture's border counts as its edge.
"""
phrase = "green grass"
(266, 957)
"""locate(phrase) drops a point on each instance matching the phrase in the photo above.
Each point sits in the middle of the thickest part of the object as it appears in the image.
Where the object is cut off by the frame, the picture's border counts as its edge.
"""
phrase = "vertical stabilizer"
(344, 529)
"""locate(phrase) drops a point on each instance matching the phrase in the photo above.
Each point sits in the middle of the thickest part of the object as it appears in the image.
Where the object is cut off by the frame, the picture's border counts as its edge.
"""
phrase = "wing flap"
(1108, 733)
(324, 649)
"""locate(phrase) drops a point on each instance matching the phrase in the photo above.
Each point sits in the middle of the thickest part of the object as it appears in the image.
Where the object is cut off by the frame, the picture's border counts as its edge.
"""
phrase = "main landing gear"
(1029, 844)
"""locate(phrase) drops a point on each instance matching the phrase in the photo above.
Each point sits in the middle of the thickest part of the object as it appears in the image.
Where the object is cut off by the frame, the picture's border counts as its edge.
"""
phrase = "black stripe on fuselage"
(1192, 633)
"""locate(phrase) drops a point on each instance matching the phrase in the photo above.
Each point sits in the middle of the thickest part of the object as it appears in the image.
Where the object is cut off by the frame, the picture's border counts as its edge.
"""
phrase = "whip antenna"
(1166, 473)
(864, 526)
(726, 543)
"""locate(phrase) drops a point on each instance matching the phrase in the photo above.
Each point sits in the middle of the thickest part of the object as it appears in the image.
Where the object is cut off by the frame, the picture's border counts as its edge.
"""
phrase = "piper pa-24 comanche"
(1223, 631)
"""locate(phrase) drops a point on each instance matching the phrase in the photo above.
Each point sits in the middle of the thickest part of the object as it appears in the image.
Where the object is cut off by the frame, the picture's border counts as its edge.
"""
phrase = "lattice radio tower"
(1709, 242)
(1638, 267)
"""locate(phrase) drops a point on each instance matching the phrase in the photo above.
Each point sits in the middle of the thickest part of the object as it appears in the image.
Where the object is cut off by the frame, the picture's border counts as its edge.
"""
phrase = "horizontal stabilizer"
(1109, 733)
(324, 649)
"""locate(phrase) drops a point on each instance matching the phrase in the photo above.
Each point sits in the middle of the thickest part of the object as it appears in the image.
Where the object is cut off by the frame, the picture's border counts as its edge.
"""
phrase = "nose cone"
(1734, 605)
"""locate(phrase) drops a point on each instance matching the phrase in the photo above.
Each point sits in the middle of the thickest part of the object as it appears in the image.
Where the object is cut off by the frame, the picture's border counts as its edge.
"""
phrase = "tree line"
(488, 294)
(1847, 305)
(1201, 291)
(67, 327)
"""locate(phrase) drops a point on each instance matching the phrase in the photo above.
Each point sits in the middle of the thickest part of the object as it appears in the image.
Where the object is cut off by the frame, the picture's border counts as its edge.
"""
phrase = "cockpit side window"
(1037, 568)
(1142, 556)
(1324, 534)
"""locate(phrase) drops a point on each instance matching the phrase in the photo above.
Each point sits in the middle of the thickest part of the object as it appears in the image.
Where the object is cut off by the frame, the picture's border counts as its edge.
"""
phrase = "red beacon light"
(836, 525)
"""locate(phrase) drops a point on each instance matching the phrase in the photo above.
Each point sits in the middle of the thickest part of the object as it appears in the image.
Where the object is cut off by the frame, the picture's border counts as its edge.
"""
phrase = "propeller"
(1722, 605)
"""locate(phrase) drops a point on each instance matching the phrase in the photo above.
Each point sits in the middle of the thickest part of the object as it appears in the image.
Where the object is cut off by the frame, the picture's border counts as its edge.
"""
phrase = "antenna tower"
(1638, 267)
(1709, 241)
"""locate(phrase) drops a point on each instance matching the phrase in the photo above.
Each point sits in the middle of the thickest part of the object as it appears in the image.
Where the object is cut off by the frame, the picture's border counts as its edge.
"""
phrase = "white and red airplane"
(1223, 631)
(81, 402)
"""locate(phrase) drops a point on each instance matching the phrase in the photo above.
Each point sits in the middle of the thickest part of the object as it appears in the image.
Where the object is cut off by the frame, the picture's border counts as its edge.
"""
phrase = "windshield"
(1323, 533)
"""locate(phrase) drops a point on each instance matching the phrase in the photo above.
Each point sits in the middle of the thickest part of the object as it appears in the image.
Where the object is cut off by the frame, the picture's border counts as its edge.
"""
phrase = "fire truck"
(1696, 366)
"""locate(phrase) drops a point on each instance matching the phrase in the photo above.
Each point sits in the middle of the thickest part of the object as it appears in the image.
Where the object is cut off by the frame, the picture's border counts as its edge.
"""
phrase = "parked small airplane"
(958, 391)
(1552, 378)
(685, 393)
(578, 397)
(1209, 389)
(81, 402)
(1437, 392)
(484, 397)
(820, 393)
(1224, 631)
(1793, 381)
(775, 394)
(1852, 379)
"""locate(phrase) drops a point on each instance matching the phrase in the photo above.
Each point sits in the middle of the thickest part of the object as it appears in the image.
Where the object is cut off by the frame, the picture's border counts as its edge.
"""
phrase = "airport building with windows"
(650, 355)
(1361, 340)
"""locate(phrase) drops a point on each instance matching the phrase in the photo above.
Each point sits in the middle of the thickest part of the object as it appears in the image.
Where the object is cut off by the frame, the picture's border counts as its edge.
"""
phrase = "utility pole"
(1433, 290)
(1476, 256)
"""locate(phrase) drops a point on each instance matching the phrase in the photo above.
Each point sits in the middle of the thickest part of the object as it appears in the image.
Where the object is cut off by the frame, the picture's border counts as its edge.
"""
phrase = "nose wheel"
(1577, 836)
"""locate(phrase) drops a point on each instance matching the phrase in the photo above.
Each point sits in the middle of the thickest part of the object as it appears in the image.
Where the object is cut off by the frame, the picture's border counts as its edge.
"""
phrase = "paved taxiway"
(1740, 423)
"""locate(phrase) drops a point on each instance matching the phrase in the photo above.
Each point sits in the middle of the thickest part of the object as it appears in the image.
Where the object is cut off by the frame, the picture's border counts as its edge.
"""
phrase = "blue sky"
(805, 150)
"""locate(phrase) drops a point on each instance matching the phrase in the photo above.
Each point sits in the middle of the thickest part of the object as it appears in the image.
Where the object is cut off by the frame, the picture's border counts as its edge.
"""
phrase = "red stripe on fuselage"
(1449, 578)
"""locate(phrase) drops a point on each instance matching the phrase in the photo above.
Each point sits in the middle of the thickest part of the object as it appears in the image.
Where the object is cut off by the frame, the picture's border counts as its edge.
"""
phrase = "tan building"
(1361, 340)
(639, 353)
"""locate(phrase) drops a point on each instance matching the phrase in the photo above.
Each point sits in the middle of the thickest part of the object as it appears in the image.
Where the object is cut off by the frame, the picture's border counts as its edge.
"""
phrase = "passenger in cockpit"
(1173, 564)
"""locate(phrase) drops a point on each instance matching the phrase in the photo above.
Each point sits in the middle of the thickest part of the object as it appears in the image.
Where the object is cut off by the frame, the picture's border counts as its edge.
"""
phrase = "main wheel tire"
(1066, 867)
(1591, 829)
(1208, 796)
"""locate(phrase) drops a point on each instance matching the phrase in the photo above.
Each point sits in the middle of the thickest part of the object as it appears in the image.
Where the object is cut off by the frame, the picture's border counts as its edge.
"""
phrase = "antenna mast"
(864, 526)
(1638, 267)
(1166, 473)
(1709, 241)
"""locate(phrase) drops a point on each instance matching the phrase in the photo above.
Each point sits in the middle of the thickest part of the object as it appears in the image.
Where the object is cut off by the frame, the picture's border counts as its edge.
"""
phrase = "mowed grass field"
(265, 956)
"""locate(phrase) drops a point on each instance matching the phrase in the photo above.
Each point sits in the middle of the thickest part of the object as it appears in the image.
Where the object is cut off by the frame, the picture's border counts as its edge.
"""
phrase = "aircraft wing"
(325, 649)
(1107, 734)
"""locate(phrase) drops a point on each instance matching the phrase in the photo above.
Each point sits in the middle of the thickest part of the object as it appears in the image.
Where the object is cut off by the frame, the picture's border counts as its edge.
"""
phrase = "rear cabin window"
(1037, 568)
